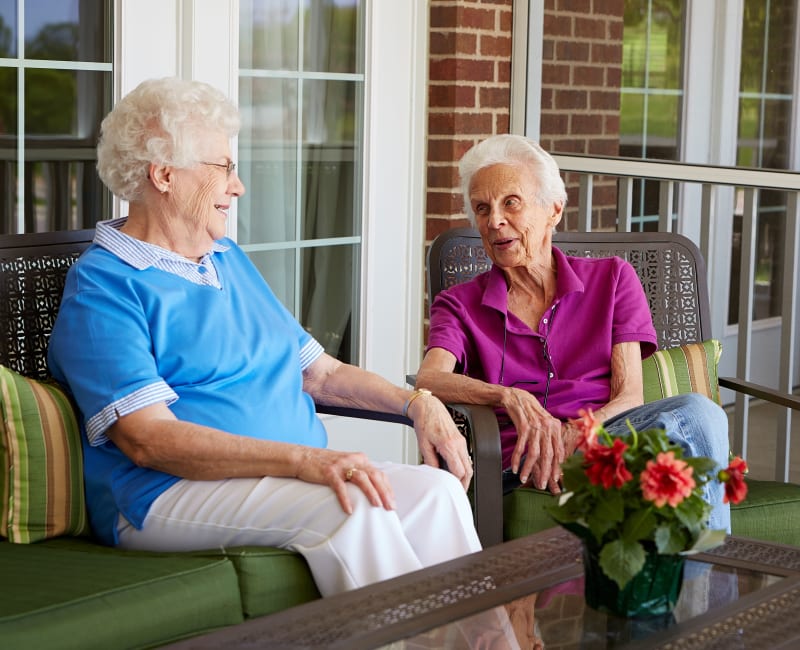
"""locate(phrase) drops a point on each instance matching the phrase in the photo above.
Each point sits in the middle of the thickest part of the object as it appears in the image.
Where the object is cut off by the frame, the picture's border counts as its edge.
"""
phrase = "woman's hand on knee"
(338, 468)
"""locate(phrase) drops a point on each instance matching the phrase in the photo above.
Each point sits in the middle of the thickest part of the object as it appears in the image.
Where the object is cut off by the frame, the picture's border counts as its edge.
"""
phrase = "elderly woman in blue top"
(197, 387)
(542, 335)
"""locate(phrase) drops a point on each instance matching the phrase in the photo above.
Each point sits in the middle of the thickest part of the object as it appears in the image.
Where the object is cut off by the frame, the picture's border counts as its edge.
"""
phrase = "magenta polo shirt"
(598, 303)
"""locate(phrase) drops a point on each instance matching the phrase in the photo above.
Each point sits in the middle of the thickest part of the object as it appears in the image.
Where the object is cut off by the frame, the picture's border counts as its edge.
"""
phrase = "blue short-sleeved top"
(228, 356)
(598, 303)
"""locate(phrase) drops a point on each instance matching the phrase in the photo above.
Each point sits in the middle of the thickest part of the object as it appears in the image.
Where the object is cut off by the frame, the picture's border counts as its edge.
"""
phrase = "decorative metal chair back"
(670, 267)
(33, 268)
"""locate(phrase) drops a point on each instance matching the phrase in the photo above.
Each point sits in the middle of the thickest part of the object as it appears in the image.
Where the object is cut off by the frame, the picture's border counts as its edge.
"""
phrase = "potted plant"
(636, 503)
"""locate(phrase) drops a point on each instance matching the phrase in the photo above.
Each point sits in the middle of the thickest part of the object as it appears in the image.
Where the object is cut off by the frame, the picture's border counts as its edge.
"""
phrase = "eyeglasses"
(229, 167)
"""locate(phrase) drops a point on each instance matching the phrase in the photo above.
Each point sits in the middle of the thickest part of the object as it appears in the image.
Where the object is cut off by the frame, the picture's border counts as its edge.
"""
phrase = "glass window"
(651, 97)
(55, 88)
(300, 151)
(765, 113)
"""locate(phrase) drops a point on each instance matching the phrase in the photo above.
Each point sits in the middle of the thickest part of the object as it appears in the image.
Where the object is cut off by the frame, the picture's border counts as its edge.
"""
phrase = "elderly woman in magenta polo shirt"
(541, 335)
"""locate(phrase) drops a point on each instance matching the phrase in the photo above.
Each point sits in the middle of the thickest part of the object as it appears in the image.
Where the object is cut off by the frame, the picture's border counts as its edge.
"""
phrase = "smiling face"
(205, 191)
(516, 229)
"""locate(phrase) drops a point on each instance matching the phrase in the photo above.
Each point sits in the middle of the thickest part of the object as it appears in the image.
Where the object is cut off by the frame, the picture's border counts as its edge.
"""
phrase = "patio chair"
(673, 275)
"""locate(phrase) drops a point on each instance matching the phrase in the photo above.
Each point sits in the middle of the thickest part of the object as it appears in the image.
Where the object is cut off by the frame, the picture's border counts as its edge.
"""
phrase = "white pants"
(432, 523)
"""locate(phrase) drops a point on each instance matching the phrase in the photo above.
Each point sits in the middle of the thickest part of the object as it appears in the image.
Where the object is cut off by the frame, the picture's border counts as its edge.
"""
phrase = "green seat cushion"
(524, 512)
(771, 512)
(56, 597)
(270, 579)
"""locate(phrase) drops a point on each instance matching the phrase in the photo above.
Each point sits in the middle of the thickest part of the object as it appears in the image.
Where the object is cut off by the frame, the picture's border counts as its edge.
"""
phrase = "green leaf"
(670, 540)
(639, 525)
(607, 513)
(621, 560)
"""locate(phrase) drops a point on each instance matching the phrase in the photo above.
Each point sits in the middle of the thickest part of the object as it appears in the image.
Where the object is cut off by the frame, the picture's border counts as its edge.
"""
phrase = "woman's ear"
(558, 213)
(160, 176)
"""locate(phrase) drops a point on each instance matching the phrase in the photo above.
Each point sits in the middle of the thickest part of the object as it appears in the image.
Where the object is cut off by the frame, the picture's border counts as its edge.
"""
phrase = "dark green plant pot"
(651, 592)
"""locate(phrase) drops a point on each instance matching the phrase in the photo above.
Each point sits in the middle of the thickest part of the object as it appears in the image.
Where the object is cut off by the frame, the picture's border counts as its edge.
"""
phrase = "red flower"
(605, 465)
(733, 477)
(667, 480)
(588, 425)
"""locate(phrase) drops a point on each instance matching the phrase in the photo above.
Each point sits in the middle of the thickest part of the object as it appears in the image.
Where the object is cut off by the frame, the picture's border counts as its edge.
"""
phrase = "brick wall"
(469, 94)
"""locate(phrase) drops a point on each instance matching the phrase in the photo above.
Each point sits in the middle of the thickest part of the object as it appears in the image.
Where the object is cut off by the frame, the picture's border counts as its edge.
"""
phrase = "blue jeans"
(700, 427)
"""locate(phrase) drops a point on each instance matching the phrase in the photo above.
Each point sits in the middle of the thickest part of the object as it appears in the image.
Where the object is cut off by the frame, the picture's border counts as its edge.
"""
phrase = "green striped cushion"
(690, 368)
(40, 448)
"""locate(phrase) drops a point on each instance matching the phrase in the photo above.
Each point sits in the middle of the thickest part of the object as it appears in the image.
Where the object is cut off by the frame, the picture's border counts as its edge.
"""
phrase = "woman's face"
(204, 192)
(516, 230)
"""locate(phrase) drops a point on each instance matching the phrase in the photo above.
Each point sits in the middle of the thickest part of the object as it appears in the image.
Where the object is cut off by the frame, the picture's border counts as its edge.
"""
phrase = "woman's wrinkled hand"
(539, 451)
(438, 434)
(337, 468)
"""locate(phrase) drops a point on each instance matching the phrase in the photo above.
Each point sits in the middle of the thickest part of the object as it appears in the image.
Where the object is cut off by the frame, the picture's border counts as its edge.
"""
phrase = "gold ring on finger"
(349, 473)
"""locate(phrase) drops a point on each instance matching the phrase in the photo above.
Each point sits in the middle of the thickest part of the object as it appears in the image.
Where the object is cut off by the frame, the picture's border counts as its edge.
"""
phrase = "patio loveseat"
(61, 589)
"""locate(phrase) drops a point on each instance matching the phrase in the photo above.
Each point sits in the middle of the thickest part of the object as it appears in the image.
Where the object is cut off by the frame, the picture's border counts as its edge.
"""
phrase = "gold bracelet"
(412, 397)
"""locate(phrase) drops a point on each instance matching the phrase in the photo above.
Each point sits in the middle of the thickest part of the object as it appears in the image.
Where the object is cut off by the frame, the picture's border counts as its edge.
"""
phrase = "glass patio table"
(743, 594)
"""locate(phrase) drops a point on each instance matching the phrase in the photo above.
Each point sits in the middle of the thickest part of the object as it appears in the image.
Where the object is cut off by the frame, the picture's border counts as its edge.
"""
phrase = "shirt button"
(544, 320)
(202, 270)
(551, 375)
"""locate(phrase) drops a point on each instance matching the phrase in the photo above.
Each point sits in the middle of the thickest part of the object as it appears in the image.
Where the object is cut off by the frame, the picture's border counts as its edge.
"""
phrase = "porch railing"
(706, 184)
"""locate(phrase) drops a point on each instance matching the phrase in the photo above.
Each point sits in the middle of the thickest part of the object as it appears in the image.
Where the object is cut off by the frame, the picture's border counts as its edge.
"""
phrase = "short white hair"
(161, 121)
(509, 149)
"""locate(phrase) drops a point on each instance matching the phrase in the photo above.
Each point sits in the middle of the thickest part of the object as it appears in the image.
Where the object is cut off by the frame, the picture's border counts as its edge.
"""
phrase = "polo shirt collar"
(495, 295)
(137, 253)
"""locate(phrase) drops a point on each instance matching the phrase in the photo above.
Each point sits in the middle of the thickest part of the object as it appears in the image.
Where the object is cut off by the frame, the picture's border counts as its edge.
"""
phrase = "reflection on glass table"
(557, 617)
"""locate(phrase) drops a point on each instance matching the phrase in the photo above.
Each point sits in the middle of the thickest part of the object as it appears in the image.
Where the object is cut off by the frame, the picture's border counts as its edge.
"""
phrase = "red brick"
(470, 18)
(573, 51)
(593, 27)
(611, 124)
(442, 177)
(443, 16)
(506, 21)
(607, 53)
(495, 97)
(451, 43)
(556, 26)
(571, 99)
(588, 75)
(556, 74)
(504, 71)
(554, 122)
(502, 123)
(451, 95)
(461, 69)
(459, 123)
(491, 45)
(604, 100)
(586, 125)
(613, 76)
(443, 203)
(609, 7)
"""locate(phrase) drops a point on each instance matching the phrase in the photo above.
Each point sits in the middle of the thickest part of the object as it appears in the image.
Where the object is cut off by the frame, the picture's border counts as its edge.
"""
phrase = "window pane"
(331, 30)
(277, 267)
(269, 34)
(328, 296)
(329, 159)
(8, 28)
(268, 160)
(68, 30)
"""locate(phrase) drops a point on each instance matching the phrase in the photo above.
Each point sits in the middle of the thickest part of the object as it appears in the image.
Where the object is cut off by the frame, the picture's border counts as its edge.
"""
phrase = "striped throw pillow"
(40, 448)
(690, 368)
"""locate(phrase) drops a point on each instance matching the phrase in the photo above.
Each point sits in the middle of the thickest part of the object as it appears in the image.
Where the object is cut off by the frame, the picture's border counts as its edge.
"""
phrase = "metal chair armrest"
(762, 392)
